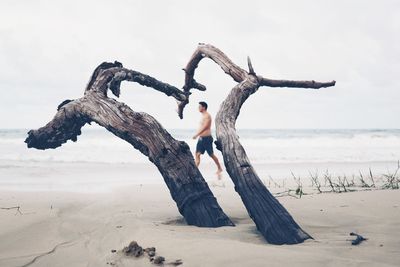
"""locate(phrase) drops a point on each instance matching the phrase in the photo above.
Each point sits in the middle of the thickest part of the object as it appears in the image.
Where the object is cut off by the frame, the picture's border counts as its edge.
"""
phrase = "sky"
(48, 50)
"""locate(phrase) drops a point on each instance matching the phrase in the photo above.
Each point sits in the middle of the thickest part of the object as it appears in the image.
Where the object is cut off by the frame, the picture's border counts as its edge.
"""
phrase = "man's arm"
(206, 123)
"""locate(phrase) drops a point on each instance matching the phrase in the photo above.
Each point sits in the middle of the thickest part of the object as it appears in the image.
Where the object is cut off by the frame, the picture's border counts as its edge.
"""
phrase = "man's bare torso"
(206, 123)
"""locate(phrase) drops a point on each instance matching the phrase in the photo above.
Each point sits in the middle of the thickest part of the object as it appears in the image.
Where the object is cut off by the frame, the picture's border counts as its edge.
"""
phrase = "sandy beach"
(80, 202)
(81, 229)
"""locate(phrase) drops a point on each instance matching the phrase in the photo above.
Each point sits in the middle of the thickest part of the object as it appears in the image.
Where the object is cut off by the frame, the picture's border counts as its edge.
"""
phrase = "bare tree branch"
(296, 84)
(66, 125)
(209, 51)
(110, 75)
(237, 73)
(17, 208)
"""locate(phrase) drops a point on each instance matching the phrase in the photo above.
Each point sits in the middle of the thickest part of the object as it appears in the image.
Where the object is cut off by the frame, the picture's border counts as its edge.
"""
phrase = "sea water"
(99, 159)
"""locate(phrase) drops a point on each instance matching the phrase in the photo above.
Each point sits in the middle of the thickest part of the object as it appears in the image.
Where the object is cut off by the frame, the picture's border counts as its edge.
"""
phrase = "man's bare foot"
(218, 173)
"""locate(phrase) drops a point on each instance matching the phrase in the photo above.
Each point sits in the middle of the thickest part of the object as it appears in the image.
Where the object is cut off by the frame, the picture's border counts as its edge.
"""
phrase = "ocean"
(273, 152)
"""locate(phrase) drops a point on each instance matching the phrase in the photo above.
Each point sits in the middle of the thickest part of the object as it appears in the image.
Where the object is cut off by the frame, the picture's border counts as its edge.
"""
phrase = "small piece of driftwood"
(358, 240)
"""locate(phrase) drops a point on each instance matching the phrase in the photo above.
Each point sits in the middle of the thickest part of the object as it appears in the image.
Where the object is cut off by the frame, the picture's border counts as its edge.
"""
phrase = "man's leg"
(197, 158)
(219, 170)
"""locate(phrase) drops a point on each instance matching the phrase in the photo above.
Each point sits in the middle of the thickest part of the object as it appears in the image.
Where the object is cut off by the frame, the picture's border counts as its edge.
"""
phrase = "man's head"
(202, 106)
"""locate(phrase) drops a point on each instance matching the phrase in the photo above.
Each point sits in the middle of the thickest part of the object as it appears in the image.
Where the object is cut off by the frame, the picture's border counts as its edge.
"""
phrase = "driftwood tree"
(173, 158)
(270, 217)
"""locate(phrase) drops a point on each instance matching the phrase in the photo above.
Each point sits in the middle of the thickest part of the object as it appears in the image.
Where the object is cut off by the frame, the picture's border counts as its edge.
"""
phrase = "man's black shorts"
(205, 143)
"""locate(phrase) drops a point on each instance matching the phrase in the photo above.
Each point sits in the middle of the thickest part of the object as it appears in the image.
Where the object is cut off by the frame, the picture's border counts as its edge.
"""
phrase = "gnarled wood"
(294, 84)
(270, 217)
(173, 158)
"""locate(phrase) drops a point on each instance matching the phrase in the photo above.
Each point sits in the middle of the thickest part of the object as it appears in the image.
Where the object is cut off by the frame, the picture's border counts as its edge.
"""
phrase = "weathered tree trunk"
(173, 158)
(270, 217)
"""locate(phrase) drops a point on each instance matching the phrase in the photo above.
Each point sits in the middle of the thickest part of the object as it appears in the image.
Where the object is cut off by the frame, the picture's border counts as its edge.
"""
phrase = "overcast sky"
(48, 50)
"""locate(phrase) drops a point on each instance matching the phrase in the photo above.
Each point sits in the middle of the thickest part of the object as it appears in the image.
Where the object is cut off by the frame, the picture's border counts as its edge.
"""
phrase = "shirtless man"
(205, 142)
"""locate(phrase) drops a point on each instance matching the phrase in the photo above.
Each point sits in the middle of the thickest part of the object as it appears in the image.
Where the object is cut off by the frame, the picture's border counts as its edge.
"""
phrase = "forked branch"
(237, 73)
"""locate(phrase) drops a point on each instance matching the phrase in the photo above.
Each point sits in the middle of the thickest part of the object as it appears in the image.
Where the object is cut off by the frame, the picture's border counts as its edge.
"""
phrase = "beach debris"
(135, 250)
(159, 260)
(392, 180)
(18, 208)
(150, 251)
(113, 250)
(341, 184)
(175, 263)
(358, 240)
(299, 189)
